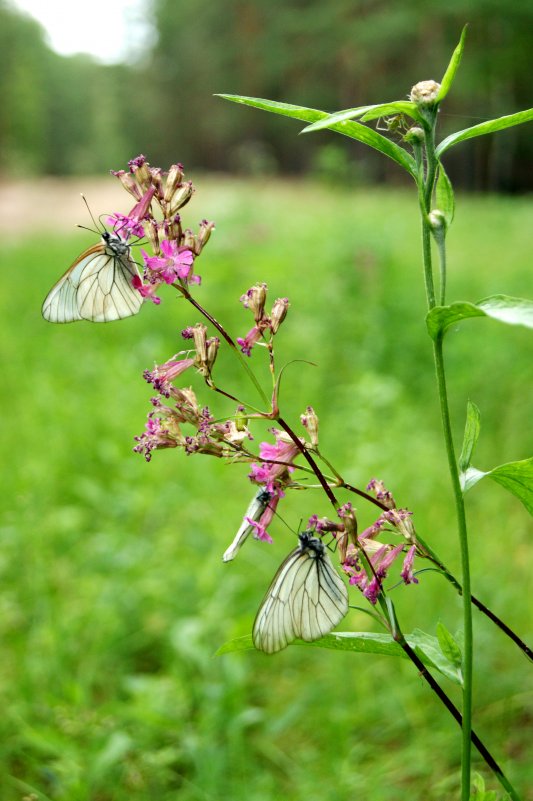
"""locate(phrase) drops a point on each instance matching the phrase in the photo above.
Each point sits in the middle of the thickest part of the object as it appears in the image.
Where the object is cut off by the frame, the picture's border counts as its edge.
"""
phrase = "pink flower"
(175, 263)
(260, 532)
(246, 344)
(146, 290)
(162, 375)
(407, 569)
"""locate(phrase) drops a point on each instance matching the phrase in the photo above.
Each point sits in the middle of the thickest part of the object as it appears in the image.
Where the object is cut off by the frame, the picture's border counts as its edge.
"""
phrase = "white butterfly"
(306, 600)
(98, 286)
(255, 510)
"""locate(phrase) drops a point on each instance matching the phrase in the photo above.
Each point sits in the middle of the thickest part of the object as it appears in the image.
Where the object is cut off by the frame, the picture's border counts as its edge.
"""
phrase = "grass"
(113, 594)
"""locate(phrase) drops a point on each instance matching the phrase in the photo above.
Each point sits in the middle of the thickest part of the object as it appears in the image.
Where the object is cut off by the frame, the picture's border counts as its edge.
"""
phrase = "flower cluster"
(255, 299)
(174, 248)
(380, 555)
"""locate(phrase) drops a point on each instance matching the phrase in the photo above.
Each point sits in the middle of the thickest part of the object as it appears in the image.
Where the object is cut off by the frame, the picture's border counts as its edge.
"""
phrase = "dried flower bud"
(310, 422)
(204, 233)
(200, 341)
(181, 196)
(189, 241)
(128, 182)
(278, 313)
(254, 299)
(152, 232)
(174, 179)
(173, 228)
(141, 170)
(425, 93)
(213, 344)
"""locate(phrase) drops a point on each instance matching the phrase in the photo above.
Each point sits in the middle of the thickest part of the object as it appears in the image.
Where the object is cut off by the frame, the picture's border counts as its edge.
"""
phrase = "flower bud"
(414, 136)
(437, 221)
(425, 93)
(278, 313)
(310, 422)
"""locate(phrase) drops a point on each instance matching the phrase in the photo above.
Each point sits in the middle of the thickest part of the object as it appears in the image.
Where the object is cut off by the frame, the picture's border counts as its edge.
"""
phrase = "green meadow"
(113, 594)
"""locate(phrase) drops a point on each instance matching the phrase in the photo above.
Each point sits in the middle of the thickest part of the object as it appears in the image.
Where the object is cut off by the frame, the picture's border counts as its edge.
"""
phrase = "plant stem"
(425, 196)
(465, 567)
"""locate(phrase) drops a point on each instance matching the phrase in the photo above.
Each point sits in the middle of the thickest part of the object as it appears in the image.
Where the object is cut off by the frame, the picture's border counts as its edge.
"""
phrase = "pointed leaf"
(338, 116)
(363, 642)
(515, 311)
(444, 196)
(472, 426)
(397, 107)
(491, 126)
(452, 68)
(449, 647)
(351, 129)
(517, 477)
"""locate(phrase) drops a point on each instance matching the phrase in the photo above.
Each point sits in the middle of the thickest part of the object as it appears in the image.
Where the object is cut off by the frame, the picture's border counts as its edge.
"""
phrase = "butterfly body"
(97, 287)
(306, 600)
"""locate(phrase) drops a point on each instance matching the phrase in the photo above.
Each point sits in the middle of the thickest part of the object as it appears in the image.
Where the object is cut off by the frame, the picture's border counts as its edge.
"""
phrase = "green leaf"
(449, 647)
(351, 129)
(390, 109)
(517, 477)
(363, 642)
(514, 311)
(452, 67)
(444, 197)
(491, 126)
(472, 426)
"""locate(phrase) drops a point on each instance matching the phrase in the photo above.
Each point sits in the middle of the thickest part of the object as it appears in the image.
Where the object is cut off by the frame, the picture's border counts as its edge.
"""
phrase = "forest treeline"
(64, 115)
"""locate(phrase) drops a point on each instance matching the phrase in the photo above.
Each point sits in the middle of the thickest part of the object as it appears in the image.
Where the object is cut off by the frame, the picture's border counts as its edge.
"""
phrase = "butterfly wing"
(306, 600)
(256, 508)
(97, 287)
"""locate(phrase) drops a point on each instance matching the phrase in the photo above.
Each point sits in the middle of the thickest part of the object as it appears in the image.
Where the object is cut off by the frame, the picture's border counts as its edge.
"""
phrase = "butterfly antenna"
(91, 215)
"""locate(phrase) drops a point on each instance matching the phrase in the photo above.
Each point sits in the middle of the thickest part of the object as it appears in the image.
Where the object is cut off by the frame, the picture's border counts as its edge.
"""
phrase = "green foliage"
(348, 128)
(66, 115)
(514, 311)
(114, 595)
(427, 647)
(453, 66)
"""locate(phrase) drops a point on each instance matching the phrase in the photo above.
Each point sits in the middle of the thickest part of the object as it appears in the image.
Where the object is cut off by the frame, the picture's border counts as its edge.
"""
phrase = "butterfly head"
(115, 243)
(314, 547)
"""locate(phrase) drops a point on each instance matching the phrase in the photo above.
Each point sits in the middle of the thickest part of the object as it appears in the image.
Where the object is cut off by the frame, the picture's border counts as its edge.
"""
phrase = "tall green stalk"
(426, 195)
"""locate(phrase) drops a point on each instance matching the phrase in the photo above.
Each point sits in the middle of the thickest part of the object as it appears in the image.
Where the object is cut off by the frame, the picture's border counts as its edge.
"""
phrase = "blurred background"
(113, 595)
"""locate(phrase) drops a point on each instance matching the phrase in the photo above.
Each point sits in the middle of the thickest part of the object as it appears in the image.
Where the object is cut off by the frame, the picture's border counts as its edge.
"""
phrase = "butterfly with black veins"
(97, 287)
(257, 506)
(306, 600)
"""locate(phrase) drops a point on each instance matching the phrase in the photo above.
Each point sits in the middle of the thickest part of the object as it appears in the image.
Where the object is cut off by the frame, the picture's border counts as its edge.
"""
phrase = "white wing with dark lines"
(306, 600)
(98, 287)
